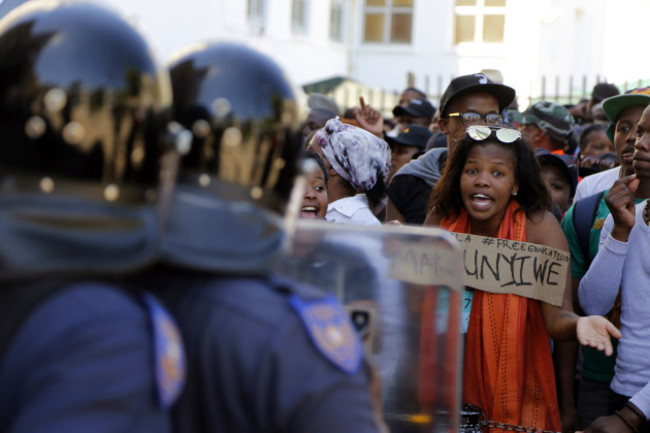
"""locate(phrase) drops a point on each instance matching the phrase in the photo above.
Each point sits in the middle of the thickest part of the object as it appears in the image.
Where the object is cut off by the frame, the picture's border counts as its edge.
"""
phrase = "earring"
(514, 194)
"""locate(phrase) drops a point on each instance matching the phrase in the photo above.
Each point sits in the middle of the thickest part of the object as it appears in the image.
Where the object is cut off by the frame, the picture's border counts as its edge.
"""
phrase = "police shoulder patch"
(331, 331)
(168, 352)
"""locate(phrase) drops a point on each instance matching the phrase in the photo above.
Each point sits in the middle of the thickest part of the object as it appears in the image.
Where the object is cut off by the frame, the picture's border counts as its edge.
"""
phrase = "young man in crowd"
(582, 226)
(409, 143)
(621, 264)
(468, 100)
(623, 111)
(418, 112)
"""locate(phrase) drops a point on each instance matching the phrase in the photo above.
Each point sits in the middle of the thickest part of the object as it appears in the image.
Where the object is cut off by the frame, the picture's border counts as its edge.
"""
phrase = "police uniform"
(85, 135)
(88, 358)
(265, 354)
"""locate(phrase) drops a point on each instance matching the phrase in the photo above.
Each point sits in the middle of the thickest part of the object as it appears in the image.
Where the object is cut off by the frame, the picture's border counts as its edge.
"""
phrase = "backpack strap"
(584, 214)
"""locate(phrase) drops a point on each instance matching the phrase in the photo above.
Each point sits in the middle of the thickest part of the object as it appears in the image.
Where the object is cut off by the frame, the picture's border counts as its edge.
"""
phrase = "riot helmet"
(84, 121)
(81, 97)
(242, 111)
(235, 181)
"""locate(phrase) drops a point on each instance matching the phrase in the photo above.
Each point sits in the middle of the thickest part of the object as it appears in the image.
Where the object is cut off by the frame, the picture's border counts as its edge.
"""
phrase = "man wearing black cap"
(468, 100)
(409, 94)
(418, 112)
(410, 141)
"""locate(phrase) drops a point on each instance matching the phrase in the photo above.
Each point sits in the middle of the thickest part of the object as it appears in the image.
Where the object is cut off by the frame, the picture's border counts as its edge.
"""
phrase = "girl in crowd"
(597, 151)
(314, 202)
(358, 164)
(492, 187)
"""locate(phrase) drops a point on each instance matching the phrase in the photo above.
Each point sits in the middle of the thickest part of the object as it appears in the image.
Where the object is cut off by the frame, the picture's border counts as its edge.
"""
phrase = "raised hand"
(620, 201)
(595, 331)
(370, 119)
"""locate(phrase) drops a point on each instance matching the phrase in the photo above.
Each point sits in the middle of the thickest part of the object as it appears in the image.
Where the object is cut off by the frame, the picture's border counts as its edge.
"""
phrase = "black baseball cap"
(412, 135)
(476, 83)
(416, 108)
(566, 163)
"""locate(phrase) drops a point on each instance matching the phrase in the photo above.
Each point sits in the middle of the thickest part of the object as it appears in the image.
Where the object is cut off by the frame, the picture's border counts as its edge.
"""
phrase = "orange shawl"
(508, 370)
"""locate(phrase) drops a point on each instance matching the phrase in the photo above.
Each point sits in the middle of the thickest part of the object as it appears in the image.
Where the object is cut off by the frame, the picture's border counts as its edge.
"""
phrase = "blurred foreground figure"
(264, 354)
(82, 105)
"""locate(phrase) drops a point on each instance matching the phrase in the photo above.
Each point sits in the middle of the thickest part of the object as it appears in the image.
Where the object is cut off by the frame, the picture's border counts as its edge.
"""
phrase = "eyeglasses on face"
(504, 135)
(470, 118)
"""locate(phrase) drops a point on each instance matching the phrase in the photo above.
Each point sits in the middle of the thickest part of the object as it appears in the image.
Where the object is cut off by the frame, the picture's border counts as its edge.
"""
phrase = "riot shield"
(403, 289)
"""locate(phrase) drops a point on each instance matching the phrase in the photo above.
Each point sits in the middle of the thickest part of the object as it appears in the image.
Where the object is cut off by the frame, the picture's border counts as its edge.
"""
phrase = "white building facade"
(544, 48)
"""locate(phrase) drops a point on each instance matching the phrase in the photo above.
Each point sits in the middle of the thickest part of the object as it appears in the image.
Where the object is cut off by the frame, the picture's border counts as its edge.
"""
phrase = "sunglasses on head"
(504, 135)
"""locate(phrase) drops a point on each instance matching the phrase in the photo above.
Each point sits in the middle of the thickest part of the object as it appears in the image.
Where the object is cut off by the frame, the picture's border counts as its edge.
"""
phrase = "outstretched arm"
(562, 323)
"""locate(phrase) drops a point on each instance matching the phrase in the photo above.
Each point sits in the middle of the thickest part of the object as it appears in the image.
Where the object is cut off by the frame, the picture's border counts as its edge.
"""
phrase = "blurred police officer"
(264, 354)
(82, 108)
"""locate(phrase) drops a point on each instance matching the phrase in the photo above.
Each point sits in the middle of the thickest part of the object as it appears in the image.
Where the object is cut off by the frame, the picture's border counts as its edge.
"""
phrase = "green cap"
(614, 105)
(552, 118)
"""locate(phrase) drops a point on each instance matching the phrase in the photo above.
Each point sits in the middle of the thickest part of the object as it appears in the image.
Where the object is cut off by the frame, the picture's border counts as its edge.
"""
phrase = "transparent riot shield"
(403, 289)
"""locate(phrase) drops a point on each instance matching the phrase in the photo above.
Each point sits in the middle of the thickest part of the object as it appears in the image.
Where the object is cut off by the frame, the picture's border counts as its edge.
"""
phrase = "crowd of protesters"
(141, 206)
(590, 161)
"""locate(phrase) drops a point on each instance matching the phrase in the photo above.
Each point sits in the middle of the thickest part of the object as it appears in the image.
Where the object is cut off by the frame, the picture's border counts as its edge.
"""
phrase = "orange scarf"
(508, 370)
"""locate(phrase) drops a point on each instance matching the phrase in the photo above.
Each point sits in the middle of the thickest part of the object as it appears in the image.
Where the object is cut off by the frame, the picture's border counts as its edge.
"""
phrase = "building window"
(255, 10)
(299, 15)
(388, 21)
(336, 20)
(480, 21)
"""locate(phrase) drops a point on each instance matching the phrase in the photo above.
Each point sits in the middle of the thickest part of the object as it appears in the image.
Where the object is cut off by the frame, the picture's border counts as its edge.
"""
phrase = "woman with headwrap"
(358, 164)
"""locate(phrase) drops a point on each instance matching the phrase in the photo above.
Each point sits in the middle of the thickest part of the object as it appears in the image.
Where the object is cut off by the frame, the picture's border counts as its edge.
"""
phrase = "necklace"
(646, 213)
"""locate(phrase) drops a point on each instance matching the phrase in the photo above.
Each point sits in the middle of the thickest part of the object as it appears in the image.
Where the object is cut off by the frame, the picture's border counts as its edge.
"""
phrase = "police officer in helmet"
(84, 116)
(256, 360)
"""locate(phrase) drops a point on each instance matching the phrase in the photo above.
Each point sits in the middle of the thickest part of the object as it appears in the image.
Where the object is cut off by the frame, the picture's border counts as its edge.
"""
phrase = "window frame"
(300, 27)
(479, 11)
(257, 13)
(341, 6)
(388, 10)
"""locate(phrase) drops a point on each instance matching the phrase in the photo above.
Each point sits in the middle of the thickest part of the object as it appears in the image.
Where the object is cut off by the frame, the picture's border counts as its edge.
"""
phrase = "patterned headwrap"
(354, 153)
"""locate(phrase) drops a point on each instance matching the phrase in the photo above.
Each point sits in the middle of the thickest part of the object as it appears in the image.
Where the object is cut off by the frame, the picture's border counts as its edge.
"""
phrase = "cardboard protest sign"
(423, 263)
(490, 264)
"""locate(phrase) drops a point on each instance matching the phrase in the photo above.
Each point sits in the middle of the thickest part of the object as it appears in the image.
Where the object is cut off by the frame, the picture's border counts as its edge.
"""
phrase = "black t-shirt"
(410, 196)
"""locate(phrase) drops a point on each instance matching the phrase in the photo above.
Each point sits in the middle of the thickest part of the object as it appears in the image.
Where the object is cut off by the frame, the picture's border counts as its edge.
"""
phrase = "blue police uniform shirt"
(82, 361)
(253, 364)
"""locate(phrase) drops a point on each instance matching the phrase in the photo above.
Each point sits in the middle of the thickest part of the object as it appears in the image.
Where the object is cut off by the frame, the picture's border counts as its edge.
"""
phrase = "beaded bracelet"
(626, 422)
(636, 411)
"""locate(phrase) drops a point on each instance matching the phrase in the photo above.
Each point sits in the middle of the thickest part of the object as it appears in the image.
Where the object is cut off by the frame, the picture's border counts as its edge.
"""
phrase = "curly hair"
(533, 196)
